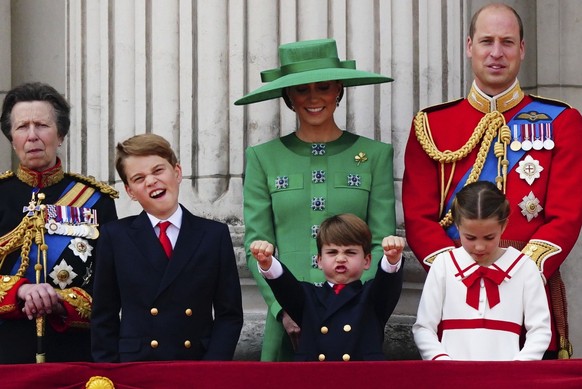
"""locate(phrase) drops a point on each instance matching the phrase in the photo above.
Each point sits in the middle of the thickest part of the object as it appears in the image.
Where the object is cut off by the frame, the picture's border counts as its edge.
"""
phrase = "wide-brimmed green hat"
(305, 62)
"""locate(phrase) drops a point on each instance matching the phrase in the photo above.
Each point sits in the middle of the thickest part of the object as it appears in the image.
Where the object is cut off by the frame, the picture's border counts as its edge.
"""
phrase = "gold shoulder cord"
(485, 132)
(30, 228)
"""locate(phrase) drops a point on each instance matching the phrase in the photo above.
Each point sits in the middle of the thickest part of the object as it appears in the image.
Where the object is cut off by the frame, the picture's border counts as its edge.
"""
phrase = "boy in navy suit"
(339, 326)
(177, 287)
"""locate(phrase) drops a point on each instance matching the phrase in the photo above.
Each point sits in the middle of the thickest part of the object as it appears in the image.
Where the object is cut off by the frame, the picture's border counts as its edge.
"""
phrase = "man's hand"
(393, 247)
(40, 300)
(263, 253)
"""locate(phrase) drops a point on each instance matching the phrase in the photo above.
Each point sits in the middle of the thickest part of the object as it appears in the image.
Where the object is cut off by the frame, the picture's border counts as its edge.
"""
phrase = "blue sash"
(56, 243)
(489, 172)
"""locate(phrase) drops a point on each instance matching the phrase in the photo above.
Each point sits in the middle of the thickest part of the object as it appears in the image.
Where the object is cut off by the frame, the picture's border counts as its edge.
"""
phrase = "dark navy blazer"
(347, 326)
(166, 305)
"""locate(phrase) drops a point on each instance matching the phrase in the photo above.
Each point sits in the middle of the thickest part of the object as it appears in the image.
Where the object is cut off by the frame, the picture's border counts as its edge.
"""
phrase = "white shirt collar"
(175, 219)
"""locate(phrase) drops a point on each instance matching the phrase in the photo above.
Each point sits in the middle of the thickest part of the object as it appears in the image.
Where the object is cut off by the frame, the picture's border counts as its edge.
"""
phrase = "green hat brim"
(348, 77)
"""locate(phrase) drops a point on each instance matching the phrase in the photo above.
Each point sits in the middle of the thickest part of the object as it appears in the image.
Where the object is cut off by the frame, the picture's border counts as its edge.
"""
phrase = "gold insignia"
(6, 284)
(79, 299)
(540, 250)
(533, 116)
(431, 257)
(98, 382)
(360, 158)
(6, 174)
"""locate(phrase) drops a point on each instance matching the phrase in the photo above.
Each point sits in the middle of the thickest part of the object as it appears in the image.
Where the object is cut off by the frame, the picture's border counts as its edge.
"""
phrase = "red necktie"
(338, 288)
(491, 278)
(164, 240)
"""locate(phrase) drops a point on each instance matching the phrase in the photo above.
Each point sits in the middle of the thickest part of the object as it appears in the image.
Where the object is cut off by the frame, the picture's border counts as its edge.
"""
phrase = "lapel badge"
(314, 262)
(360, 158)
(529, 169)
(318, 149)
(314, 230)
(354, 180)
(281, 182)
(318, 204)
(530, 206)
(318, 176)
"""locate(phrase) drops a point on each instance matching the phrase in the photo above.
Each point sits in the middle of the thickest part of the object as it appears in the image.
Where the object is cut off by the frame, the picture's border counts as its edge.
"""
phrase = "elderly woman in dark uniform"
(49, 221)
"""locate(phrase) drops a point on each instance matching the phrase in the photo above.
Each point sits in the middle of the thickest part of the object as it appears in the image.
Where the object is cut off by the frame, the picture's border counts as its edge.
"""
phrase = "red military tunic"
(546, 215)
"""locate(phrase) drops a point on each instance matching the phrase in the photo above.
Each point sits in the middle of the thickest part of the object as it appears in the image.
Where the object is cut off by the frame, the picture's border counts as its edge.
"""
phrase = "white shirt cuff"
(275, 271)
(388, 267)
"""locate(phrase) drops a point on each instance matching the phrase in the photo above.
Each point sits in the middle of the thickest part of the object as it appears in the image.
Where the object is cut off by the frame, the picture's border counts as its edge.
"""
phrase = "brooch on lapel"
(360, 158)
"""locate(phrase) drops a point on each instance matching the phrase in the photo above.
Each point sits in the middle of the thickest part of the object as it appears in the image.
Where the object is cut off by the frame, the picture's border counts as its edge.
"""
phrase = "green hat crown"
(305, 62)
(304, 56)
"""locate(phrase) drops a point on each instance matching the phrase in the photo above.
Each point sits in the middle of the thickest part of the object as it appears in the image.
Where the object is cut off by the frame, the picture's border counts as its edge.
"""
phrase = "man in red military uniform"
(525, 144)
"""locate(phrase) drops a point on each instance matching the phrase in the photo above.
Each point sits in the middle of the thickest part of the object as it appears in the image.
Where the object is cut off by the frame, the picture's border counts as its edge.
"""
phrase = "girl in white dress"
(479, 298)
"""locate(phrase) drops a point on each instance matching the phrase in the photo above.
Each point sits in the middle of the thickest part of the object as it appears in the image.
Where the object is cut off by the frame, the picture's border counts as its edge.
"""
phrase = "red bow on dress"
(491, 278)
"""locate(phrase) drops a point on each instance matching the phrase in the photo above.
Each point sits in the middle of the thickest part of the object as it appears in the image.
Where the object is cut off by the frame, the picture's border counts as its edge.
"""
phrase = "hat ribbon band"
(304, 66)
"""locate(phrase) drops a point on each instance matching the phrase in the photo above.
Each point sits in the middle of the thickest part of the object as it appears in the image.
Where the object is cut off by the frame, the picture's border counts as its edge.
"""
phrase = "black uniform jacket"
(18, 342)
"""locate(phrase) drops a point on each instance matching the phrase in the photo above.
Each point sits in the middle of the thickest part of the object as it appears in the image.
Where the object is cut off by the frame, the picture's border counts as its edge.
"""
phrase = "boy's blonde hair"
(143, 145)
(344, 230)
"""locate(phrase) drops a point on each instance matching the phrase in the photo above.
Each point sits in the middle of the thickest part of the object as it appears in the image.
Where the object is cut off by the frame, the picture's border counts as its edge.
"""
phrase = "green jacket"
(291, 186)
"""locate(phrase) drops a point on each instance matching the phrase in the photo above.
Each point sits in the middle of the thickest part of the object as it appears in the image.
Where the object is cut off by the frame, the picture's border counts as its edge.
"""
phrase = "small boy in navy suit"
(171, 274)
(346, 325)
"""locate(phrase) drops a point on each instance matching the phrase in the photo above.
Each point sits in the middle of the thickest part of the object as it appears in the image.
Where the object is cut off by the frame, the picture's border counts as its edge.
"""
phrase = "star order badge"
(63, 274)
(81, 248)
(529, 169)
(530, 206)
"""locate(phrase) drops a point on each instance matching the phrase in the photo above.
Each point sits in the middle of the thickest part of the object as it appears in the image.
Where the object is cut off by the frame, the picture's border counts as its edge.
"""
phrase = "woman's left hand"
(40, 300)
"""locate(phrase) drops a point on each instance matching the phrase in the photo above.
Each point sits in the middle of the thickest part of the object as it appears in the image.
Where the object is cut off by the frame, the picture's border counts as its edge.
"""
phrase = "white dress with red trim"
(470, 312)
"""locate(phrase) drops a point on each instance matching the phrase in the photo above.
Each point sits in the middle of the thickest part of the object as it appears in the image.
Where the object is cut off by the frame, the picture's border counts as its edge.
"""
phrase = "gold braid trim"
(6, 284)
(103, 187)
(8, 308)
(485, 132)
(79, 299)
(539, 251)
(431, 257)
(6, 174)
(22, 237)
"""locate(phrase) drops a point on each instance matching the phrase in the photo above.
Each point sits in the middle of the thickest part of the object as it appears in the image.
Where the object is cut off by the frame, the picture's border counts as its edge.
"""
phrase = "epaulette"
(551, 101)
(440, 106)
(7, 174)
(90, 180)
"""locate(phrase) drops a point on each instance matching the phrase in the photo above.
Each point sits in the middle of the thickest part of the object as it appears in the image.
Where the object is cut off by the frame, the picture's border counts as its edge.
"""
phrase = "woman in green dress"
(294, 182)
